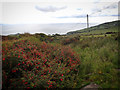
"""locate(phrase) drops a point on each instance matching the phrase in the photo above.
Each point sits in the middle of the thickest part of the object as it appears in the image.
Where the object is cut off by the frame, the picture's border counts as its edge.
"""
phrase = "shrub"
(70, 40)
(29, 65)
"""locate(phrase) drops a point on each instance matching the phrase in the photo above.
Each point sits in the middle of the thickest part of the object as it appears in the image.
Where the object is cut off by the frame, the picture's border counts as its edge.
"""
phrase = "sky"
(54, 11)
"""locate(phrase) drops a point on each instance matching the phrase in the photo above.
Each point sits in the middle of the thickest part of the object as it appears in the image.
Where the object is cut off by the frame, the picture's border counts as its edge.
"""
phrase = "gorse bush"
(30, 65)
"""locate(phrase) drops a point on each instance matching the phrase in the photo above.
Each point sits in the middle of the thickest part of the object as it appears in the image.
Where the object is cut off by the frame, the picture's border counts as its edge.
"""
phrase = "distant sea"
(60, 28)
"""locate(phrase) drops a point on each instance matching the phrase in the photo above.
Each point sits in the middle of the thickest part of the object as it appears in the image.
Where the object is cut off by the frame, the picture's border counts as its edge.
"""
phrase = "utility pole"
(87, 21)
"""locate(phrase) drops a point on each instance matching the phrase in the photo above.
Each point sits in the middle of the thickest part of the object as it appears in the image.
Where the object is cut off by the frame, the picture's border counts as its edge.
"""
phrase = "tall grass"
(99, 60)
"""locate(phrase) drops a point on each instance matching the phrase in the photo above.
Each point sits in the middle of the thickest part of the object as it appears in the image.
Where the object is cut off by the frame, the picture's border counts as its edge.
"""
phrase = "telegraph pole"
(87, 21)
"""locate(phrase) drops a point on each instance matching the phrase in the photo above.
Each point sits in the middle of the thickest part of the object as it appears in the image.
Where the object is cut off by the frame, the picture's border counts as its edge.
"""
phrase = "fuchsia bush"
(29, 65)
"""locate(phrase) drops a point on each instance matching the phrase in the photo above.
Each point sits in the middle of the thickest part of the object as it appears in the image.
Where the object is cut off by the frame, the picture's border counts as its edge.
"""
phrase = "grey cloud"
(113, 6)
(74, 16)
(49, 8)
(97, 10)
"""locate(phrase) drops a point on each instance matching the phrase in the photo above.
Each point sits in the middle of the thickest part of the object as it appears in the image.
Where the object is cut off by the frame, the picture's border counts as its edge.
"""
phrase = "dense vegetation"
(57, 61)
(28, 64)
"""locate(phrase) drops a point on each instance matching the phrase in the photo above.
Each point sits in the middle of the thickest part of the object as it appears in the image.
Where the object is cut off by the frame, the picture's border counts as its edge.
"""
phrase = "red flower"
(18, 63)
(48, 65)
(75, 69)
(37, 67)
(50, 86)
(43, 65)
(49, 71)
(61, 79)
(44, 62)
(18, 56)
(3, 59)
(26, 82)
(62, 75)
(28, 87)
(13, 71)
(23, 62)
(23, 80)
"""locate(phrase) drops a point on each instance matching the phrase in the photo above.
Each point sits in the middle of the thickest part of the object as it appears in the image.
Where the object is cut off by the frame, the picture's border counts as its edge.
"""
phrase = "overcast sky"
(72, 11)
(54, 11)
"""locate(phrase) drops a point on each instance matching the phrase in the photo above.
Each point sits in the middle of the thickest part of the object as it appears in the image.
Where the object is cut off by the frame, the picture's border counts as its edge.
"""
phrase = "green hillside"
(99, 29)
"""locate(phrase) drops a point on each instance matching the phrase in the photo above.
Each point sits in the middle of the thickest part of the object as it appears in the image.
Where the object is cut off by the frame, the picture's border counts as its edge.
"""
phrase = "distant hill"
(99, 29)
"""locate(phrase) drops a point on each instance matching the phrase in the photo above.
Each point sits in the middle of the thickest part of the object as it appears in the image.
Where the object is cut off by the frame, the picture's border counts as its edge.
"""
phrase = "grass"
(99, 60)
(102, 31)
(99, 29)
(98, 55)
